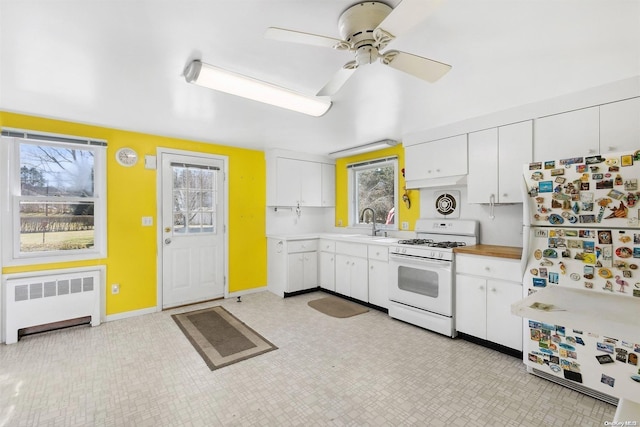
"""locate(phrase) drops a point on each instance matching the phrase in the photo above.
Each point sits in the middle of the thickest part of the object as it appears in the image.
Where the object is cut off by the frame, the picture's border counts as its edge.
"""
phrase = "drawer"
(327, 245)
(379, 252)
(353, 249)
(294, 246)
(490, 267)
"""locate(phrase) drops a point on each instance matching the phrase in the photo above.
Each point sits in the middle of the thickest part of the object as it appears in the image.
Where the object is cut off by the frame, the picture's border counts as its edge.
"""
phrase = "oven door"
(422, 283)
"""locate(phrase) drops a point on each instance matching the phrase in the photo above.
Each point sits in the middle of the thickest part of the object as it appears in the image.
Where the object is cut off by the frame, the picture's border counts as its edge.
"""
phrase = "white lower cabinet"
(379, 275)
(327, 265)
(352, 277)
(303, 271)
(485, 289)
(292, 265)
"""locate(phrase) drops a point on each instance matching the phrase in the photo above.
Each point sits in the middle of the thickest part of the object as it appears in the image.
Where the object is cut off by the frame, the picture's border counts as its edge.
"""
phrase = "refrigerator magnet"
(545, 187)
(606, 379)
(604, 359)
(537, 176)
(539, 282)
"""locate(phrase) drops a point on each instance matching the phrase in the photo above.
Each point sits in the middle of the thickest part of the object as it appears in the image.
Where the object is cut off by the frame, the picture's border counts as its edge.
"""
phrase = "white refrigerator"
(582, 277)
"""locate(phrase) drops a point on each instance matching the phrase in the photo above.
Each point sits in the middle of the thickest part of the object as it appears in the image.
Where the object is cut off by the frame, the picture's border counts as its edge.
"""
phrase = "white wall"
(505, 229)
(310, 220)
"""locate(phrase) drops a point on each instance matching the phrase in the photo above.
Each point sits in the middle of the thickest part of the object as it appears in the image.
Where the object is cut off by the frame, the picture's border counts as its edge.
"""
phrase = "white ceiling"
(119, 64)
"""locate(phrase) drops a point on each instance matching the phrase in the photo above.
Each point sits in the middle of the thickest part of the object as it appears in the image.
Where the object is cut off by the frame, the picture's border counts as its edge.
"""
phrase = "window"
(372, 187)
(56, 192)
(194, 196)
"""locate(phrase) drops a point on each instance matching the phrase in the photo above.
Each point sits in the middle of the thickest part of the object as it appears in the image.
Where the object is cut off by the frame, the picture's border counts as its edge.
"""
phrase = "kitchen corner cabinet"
(436, 159)
(292, 265)
(327, 264)
(496, 157)
(378, 275)
(485, 289)
(352, 277)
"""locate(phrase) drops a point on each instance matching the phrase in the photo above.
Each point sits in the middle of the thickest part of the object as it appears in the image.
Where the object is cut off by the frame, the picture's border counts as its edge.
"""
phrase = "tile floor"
(365, 370)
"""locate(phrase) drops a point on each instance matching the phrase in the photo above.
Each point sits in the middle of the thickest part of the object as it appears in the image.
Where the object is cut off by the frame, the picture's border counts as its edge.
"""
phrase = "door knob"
(167, 241)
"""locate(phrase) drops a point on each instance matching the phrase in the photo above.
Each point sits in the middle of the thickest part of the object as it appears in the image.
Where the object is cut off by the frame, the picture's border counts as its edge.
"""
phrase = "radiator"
(48, 297)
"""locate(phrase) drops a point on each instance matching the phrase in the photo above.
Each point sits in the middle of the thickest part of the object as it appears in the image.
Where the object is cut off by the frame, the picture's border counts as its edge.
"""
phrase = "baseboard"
(246, 292)
(493, 346)
(132, 313)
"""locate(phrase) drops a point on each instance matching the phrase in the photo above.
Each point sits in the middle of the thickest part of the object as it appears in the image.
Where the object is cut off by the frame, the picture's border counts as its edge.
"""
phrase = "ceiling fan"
(366, 29)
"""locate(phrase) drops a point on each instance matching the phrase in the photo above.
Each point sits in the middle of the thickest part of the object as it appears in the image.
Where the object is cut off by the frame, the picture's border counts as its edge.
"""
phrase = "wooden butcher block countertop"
(511, 252)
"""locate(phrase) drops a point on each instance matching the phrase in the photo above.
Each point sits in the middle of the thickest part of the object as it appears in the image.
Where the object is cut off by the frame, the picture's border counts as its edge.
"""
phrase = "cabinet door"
(571, 134)
(343, 274)
(482, 182)
(620, 126)
(379, 283)
(515, 146)
(310, 179)
(436, 159)
(471, 308)
(502, 326)
(328, 184)
(359, 276)
(310, 270)
(327, 271)
(287, 182)
(295, 273)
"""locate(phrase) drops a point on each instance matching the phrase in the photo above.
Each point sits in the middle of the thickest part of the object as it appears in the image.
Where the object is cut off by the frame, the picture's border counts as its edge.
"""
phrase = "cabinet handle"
(482, 288)
(487, 269)
(493, 289)
(591, 151)
(612, 148)
(504, 195)
(437, 170)
(371, 267)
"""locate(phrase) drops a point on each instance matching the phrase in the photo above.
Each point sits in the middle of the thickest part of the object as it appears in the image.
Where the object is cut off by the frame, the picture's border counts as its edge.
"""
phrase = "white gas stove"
(436, 239)
(421, 288)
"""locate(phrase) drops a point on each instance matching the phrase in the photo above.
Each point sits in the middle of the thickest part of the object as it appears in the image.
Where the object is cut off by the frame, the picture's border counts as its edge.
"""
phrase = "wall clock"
(127, 156)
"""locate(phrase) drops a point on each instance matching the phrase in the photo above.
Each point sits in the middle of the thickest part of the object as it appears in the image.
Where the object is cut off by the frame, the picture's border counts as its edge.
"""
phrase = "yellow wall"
(409, 215)
(131, 194)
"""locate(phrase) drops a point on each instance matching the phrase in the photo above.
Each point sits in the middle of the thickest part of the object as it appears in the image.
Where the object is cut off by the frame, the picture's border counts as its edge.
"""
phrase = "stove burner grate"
(423, 242)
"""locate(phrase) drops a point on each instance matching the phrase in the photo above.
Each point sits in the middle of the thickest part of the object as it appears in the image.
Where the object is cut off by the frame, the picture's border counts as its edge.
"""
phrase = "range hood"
(444, 181)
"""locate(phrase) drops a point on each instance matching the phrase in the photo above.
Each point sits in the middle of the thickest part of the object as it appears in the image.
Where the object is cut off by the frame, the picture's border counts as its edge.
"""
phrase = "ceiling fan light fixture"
(215, 78)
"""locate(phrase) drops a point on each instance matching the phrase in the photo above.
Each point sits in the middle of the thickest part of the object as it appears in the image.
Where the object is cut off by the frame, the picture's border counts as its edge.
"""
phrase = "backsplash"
(504, 229)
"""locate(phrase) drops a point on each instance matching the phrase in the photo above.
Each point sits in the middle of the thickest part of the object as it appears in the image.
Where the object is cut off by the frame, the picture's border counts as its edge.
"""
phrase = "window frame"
(11, 198)
(352, 169)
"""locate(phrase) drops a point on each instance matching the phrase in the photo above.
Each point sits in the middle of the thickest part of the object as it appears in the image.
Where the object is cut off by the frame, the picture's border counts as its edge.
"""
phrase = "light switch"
(147, 221)
(150, 162)
(405, 225)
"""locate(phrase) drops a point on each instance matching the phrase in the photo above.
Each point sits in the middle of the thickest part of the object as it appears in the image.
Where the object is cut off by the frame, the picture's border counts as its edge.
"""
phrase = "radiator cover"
(50, 296)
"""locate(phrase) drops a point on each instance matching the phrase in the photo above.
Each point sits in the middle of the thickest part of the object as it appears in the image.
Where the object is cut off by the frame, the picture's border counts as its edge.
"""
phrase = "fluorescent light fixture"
(236, 84)
(365, 148)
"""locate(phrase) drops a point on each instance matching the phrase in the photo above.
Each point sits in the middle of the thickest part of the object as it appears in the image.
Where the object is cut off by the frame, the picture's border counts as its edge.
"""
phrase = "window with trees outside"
(373, 187)
(57, 189)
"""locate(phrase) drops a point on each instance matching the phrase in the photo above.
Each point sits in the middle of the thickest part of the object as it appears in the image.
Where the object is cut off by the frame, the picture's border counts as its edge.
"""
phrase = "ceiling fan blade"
(284, 35)
(408, 14)
(422, 68)
(338, 80)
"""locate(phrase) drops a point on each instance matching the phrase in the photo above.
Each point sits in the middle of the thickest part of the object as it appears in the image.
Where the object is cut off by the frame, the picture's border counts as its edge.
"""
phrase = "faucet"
(374, 230)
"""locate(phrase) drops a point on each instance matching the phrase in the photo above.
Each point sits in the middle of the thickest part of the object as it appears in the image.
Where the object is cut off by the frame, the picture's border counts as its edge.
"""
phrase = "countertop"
(511, 252)
(353, 238)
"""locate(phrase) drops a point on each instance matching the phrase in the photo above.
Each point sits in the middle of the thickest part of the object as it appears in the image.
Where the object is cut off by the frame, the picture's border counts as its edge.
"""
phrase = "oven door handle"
(423, 261)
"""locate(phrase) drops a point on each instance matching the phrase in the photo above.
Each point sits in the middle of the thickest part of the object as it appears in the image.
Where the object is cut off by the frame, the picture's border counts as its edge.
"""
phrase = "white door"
(192, 224)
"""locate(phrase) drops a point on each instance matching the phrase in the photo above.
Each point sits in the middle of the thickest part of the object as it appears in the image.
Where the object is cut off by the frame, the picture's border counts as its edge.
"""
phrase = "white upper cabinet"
(496, 157)
(328, 185)
(571, 134)
(620, 126)
(438, 159)
(295, 182)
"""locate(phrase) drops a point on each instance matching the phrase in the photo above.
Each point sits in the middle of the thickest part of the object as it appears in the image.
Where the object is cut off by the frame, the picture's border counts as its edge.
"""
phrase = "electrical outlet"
(405, 225)
(115, 288)
(339, 223)
(147, 221)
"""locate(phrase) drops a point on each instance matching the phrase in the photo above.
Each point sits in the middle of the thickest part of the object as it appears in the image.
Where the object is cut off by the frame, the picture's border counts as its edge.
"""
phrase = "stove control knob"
(404, 250)
(431, 254)
(440, 255)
